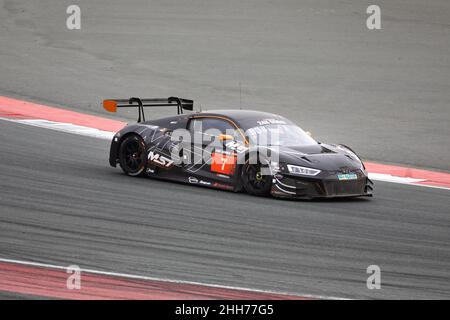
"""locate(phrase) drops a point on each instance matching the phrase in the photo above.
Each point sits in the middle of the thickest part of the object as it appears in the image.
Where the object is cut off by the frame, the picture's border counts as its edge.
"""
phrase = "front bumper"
(326, 185)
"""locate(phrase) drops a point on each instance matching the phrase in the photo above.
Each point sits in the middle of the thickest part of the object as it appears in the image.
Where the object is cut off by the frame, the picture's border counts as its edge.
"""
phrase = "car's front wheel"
(132, 156)
(253, 179)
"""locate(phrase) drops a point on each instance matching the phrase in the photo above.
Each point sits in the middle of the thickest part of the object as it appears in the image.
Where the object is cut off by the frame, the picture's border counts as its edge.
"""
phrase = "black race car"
(238, 150)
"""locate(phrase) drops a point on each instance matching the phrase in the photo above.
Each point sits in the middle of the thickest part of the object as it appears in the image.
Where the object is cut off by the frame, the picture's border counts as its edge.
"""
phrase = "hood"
(320, 156)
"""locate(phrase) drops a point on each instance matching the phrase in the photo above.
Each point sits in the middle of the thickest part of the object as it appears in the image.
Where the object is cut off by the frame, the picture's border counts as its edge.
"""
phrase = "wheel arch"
(115, 146)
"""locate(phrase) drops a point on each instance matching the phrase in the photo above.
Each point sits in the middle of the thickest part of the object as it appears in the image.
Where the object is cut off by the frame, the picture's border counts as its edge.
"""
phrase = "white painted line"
(139, 277)
(65, 127)
(402, 180)
(394, 179)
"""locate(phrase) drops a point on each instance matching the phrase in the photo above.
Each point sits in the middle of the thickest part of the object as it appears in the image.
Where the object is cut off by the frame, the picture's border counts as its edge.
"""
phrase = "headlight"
(302, 170)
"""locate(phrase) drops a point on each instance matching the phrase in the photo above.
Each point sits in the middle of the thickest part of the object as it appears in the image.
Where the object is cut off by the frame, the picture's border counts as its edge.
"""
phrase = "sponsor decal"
(222, 163)
(236, 146)
(222, 186)
(270, 121)
(197, 181)
(193, 180)
(347, 176)
(159, 160)
(229, 153)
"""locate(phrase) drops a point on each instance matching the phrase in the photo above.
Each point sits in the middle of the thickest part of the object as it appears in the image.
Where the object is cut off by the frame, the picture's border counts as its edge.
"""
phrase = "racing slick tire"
(253, 181)
(132, 155)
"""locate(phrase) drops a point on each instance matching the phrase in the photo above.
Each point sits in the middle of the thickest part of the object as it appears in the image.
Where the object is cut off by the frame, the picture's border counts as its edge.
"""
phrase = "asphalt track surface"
(62, 204)
(385, 93)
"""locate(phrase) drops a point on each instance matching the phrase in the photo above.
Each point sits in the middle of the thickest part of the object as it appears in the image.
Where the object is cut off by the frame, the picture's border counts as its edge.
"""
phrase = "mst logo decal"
(159, 160)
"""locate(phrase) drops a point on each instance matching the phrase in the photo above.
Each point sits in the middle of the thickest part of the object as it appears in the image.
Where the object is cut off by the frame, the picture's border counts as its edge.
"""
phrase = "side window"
(201, 125)
(221, 125)
(204, 124)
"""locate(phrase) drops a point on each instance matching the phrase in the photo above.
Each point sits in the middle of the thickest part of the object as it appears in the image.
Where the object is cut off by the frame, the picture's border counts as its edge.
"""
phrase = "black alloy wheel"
(132, 155)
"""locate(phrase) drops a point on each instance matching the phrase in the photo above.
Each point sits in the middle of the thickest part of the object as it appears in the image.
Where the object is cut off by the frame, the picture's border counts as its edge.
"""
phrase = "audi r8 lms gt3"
(238, 150)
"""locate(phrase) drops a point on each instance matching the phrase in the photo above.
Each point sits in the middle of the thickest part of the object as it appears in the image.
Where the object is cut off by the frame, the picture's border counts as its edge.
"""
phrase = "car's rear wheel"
(253, 179)
(132, 156)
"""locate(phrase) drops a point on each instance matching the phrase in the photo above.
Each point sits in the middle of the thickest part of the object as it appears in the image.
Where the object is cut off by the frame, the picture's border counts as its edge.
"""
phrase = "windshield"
(279, 135)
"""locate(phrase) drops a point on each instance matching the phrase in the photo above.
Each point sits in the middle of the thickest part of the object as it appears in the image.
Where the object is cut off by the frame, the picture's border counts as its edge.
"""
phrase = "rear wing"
(111, 105)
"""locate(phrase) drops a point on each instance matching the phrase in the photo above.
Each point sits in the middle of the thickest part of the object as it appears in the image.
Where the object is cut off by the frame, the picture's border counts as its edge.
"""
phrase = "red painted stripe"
(13, 108)
(21, 109)
(433, 178)
(47, 282)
